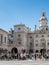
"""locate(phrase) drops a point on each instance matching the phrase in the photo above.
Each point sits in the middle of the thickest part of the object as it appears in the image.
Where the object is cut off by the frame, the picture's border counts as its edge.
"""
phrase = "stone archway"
(42, 51)
(14, 49)
(42, 46)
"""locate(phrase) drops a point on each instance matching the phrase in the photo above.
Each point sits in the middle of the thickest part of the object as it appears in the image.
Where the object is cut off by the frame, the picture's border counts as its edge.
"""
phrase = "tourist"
(21, 55)
(24, 56)
(30, 55)
(35, 56)
(9, 55)
(0, 56)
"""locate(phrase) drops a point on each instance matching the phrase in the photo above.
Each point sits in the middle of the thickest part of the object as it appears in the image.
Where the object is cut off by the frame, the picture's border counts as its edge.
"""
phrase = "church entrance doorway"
(37, 51)
(14, 50)
(42, 51)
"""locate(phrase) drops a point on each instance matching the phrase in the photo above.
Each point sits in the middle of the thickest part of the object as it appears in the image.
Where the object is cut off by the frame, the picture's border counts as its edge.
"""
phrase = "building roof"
(20, 24)
(3, 30)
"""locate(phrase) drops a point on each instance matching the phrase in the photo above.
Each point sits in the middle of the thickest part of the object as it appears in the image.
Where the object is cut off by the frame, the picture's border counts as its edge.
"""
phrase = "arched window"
(36, 35)
(48, 43)
(19, 43)
(19, 28)
(19, 35)
(48, 35)
(42, 35)
(30, 37)
(36, 45)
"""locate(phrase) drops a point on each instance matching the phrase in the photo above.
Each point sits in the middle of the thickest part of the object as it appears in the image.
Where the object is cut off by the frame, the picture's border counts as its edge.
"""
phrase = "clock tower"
(43, 22)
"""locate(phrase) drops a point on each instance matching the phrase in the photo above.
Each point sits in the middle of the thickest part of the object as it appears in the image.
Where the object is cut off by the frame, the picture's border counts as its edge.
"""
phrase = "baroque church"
(23, 38)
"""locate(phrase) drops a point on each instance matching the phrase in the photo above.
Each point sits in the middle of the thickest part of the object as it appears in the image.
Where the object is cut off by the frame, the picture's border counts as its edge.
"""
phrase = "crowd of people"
(22, 56)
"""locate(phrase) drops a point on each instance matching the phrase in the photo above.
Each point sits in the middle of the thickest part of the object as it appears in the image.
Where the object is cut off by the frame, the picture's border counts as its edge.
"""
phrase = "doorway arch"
(43, 46)
(14, 49)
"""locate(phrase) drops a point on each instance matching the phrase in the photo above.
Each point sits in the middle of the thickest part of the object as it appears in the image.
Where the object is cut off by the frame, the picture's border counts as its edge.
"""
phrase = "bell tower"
(43, 22)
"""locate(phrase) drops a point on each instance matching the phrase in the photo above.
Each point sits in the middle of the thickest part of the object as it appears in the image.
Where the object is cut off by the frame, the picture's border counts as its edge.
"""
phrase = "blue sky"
(13, 12)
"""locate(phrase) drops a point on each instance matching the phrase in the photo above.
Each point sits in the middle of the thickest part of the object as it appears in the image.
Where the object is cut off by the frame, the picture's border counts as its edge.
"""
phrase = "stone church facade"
(23, 38)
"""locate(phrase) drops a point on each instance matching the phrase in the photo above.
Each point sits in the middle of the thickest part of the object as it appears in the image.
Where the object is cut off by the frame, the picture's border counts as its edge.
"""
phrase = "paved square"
(25, 62)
